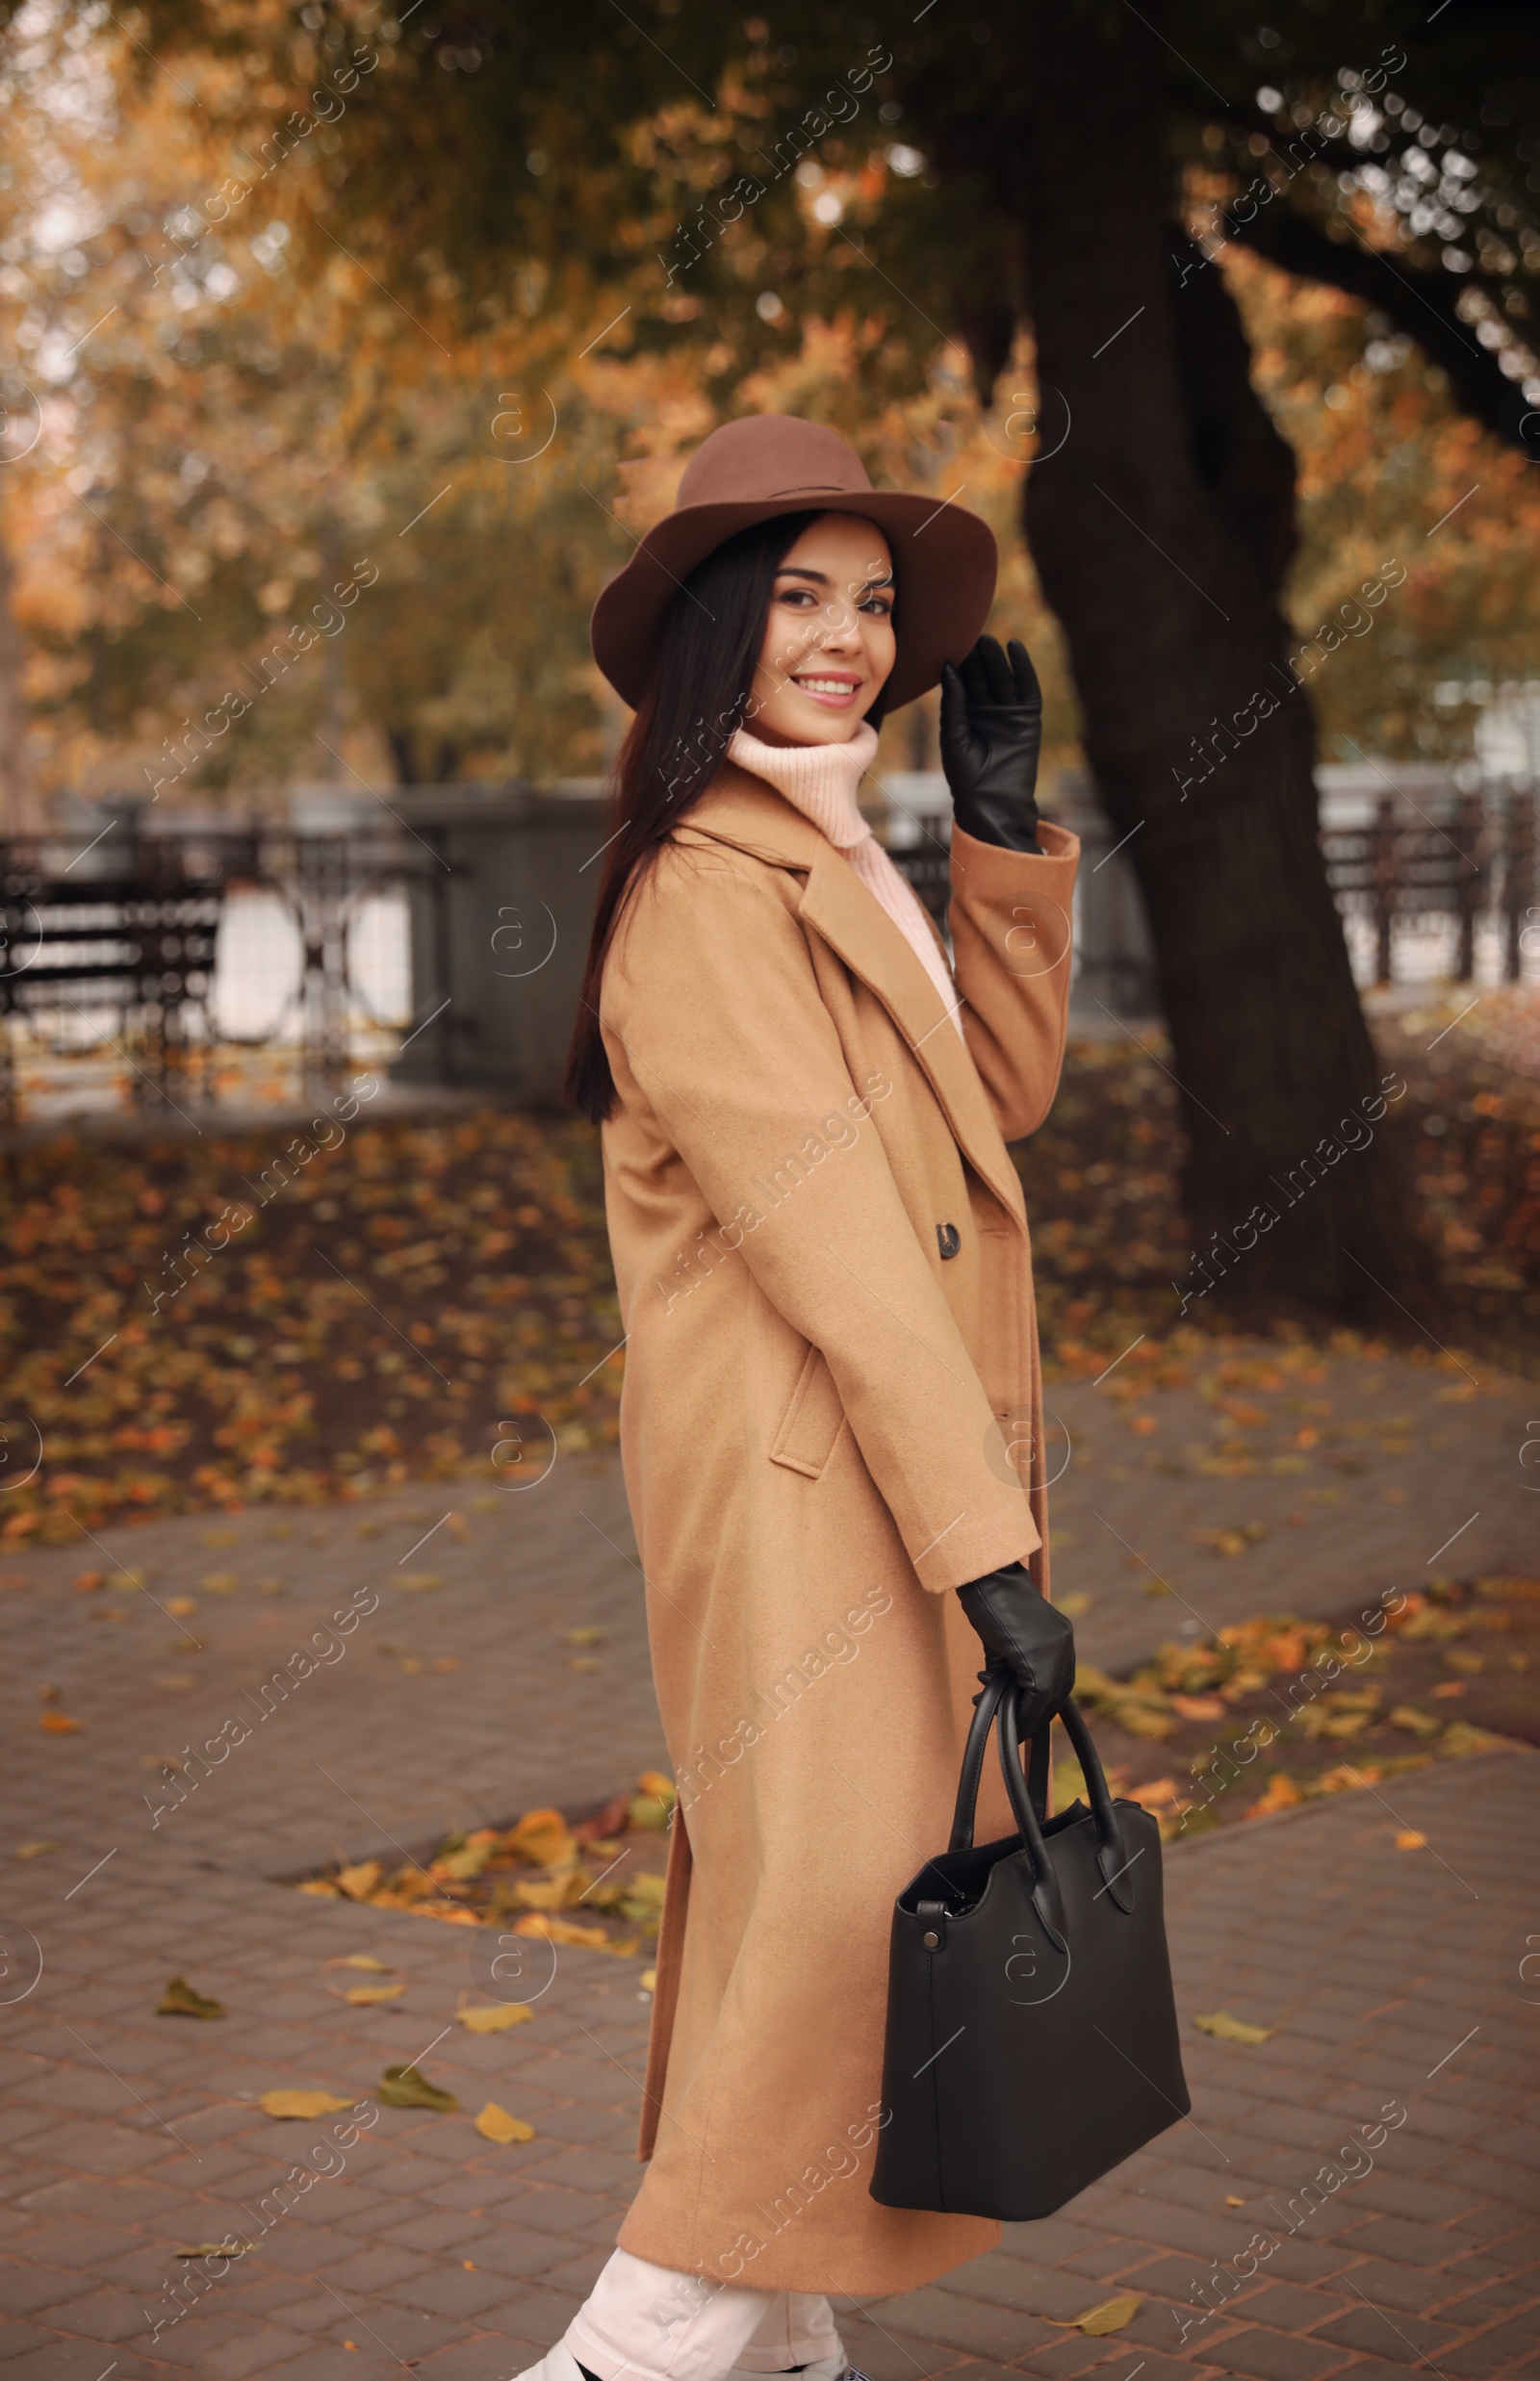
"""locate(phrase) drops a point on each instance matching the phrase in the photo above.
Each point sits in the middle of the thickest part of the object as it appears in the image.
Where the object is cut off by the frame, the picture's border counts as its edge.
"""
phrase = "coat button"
(948, 1239)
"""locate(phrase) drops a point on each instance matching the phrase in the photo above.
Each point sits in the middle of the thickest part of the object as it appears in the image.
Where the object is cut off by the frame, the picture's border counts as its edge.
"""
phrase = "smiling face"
(829, 643)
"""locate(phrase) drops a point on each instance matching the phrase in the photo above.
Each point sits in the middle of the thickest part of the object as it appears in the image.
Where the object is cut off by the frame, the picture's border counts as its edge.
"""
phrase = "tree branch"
(1419, 303)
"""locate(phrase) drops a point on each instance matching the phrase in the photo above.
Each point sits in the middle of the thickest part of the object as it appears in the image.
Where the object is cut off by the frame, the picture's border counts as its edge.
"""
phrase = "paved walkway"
(1389, 1975)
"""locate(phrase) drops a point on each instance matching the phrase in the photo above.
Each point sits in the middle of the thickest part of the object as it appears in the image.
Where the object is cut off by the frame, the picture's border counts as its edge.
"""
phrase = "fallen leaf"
(1227, 2029)
(359, 1881)
(562, 1931)
(1199, 1706)
(1110, 2316)
(1415, 1723)
(468, 1856)
(1282, 1793)
(368, 1996)
(560, 1892)
(180, 1999)
(542, 1837)
(365, 1960)
(1408, 1840)
(217, 2248)
(495, 2124)
(283, 2103)
(88, 1579)
(220, 1583)
(586, 1637)
(403, 2088)
(648, 1980)
(1231, 2201)
(494, 2018)
(35, 1852)
(422, 1582)
(59, 1723)
(179, 1607)
(655, 1782)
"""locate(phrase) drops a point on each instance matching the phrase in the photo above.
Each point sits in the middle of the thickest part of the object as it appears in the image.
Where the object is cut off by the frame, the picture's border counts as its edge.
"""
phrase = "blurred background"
(345, 353)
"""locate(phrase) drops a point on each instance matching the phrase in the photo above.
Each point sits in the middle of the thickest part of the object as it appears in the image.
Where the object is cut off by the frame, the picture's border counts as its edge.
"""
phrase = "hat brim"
(945, 562)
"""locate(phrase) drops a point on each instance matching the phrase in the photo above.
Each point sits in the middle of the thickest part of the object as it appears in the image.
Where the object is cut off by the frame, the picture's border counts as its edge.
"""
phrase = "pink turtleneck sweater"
(821, 781)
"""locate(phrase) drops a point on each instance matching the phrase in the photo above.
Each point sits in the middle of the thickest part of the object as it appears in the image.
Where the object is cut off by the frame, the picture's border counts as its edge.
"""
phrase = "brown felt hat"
(944, 559)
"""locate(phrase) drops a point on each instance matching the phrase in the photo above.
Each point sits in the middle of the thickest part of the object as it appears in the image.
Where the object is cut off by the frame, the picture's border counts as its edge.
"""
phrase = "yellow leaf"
(1227, 2029)
(586, 1637)
(368, 1996)
(59, 1723)
(654, 1781)
(543, 1838)
(364, 1960)
(554, 1893)
(217, 2248)
(1111, 2314)
(495, 2124)
(562, 1931)
(422, 1582)
(1231, 2201)
(179, 1607)
(648, 1980)
(1409, 1840)
(1282, 1793)
(495, 2020)
(180, 1999)
(318, 1884)
(359, 1881)
(220, 1583)
(283, 2103)
(35, 1852)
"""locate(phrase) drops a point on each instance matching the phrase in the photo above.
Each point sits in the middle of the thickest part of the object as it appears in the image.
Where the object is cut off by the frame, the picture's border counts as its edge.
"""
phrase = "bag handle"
(1112, 1857)
(994, 1679)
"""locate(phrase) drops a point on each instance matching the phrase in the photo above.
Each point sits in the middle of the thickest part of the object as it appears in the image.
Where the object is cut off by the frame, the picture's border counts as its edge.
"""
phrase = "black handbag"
(1032, 2040)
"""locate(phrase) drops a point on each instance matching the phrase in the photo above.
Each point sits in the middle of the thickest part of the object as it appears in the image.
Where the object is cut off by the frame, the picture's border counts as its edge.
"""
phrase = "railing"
(1455, 876)
(117, 949)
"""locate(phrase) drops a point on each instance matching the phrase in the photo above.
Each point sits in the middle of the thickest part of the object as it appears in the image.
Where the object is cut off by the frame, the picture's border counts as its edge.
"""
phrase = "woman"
(831, 1424)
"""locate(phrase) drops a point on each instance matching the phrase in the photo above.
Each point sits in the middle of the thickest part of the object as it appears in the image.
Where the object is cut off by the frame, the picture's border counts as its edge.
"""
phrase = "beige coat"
(827, 1423)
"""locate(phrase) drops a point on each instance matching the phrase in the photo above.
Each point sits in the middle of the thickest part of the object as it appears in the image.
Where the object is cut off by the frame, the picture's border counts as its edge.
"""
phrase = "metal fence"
(126, 947)
(117, 948)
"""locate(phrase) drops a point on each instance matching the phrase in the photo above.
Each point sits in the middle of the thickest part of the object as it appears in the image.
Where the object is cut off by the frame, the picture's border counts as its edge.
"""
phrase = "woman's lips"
(835, 694)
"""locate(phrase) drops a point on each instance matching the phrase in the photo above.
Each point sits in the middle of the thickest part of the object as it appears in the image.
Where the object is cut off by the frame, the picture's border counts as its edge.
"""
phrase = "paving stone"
(1367, 1963)
(1274, 2356)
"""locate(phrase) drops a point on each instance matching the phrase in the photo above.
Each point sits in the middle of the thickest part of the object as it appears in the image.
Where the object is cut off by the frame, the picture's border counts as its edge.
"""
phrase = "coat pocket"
(813, 1419)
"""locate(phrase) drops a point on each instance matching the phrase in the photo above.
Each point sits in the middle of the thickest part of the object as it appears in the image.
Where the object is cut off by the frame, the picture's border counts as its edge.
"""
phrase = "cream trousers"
(642, 2322)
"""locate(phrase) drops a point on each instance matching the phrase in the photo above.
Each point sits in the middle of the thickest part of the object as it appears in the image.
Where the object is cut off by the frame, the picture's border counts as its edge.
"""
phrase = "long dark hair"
(696, 698)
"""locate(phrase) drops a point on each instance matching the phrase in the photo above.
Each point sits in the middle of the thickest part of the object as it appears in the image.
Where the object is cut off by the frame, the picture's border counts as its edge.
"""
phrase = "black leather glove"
(991, 734)
(1031, 1637)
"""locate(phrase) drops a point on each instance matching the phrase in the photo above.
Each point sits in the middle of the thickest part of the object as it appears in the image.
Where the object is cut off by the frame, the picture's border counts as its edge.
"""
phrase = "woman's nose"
(841, 628)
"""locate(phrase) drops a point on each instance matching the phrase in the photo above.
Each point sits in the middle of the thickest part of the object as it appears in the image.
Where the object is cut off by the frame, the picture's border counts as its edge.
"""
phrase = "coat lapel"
(738, 810)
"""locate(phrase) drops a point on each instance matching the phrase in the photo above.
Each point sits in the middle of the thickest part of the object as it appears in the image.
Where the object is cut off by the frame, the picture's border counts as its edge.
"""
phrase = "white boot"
(558, 2364)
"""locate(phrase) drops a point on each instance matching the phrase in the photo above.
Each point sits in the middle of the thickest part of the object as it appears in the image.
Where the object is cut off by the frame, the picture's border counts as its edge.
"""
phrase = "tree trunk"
(1162, 531)
(21, 809)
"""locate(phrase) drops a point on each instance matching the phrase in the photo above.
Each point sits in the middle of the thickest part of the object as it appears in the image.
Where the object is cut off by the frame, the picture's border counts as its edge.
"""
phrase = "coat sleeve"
(1010, 932)
(713, 1018)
